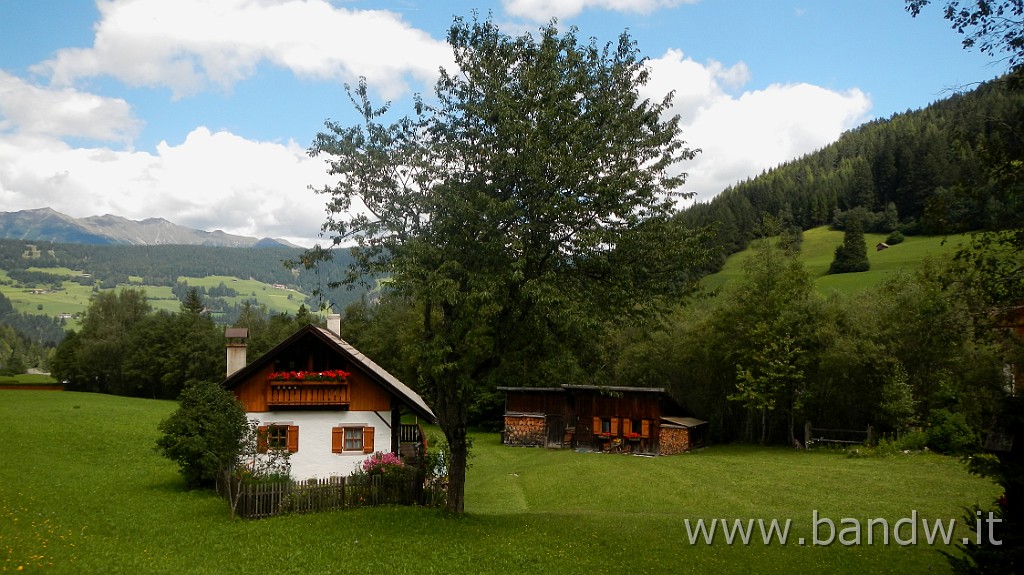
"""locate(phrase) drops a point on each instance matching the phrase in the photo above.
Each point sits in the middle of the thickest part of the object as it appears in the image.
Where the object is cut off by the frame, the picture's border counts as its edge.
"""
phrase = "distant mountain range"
(45, 224)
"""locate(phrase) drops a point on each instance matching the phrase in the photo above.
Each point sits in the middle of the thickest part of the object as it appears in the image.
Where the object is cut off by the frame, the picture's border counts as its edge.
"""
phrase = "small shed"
(681, 434)
(637, 420)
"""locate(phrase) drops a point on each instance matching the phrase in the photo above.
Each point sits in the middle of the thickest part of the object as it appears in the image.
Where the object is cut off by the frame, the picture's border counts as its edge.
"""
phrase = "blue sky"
(200, 111)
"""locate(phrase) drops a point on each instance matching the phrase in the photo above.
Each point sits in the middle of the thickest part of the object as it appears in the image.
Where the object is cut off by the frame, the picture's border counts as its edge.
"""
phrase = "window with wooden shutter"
(367, 440)
(597, 425)
(354, 439)
(337, 439)
(615, 426)
(645, 428)
(627, 427)
(293, 438)
(261, 438)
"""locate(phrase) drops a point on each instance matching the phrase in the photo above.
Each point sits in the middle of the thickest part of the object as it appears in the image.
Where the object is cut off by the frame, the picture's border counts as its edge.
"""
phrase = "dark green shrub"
(204, 435)
(894, 238)
(949, 433)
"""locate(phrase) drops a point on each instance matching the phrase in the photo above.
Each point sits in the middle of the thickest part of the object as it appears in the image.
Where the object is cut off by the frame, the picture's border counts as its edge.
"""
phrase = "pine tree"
(852, 254)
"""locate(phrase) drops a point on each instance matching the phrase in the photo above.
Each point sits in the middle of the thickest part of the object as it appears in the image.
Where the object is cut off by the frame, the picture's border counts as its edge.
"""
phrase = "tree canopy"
(524, 211)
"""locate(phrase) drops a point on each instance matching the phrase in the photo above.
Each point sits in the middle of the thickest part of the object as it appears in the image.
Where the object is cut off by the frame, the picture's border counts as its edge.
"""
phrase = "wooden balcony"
(412, 442)
(308, 394)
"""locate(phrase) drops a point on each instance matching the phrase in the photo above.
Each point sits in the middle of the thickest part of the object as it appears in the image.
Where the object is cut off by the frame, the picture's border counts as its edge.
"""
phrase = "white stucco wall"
(314, 457)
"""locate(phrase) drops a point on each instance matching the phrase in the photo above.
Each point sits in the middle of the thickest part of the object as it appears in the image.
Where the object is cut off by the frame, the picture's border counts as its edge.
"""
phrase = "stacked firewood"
(525, 430)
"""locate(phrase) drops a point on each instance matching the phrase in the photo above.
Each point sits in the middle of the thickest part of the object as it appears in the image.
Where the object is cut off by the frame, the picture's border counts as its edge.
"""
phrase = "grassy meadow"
(83, 491)
(818, 249)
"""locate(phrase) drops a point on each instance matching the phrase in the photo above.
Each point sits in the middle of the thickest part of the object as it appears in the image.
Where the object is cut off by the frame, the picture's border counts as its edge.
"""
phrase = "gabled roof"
(377, 373)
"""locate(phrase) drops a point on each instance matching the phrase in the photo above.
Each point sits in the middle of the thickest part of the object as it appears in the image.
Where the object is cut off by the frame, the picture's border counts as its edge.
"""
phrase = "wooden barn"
(637, 420)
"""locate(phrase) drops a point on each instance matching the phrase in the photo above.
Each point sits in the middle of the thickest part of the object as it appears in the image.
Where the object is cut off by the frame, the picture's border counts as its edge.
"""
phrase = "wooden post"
(396, 427)
(807, 434)
(871, 435)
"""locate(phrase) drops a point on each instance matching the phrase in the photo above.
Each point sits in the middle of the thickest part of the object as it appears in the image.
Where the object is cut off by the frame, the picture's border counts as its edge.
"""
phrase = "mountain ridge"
(47, 224)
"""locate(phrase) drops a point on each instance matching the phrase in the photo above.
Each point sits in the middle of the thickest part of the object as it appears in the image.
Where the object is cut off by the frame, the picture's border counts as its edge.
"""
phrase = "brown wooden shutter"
(293, 438)
(627, 426)
(261, 438)
(367, 440)
(337, 439)
(645, 425)
(615, 426)
(597, 425)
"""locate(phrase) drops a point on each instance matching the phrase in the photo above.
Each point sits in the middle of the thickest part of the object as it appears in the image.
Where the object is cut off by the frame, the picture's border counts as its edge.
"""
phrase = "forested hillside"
(112, 265)
(66, 272)
(918, 172)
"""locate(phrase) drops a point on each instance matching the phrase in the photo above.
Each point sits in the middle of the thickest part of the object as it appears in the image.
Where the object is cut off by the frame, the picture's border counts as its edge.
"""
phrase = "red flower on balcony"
(328, 375)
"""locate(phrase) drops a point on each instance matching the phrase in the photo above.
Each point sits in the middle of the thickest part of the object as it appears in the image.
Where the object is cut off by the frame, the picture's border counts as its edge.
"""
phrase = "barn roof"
(684, 421)
(377, 373)
(597, 388)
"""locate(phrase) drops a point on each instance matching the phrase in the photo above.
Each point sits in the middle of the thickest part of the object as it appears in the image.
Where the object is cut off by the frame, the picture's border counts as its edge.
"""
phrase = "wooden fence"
(255, 500)
(819, 435)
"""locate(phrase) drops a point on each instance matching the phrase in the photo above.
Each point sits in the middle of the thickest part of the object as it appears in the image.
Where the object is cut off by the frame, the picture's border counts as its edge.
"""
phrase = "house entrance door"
(555, 431)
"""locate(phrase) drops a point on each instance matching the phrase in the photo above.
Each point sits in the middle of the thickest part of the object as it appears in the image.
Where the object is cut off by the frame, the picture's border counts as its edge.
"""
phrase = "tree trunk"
(457, 470)
(764, 425)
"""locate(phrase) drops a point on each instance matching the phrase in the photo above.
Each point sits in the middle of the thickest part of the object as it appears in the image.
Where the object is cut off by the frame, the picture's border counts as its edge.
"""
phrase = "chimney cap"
(236, 332)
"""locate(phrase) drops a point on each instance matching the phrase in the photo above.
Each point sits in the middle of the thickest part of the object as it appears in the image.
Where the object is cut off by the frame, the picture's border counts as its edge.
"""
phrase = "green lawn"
(818, 249)
(82, 491)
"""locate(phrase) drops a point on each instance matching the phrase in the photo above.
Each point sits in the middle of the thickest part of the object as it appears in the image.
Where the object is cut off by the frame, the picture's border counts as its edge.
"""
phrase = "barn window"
(606, 425)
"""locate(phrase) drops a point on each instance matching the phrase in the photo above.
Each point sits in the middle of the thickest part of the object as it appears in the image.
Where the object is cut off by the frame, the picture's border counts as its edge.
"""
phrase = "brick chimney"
(334, 323)
(236, 337)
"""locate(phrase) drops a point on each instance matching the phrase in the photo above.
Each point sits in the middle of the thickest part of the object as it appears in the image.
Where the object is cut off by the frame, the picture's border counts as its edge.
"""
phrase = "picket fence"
(255, 500)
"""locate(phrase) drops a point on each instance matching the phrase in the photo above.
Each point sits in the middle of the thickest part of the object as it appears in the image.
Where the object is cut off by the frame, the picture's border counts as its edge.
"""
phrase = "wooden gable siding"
(547, 402)
(311, 354)
(592, 406)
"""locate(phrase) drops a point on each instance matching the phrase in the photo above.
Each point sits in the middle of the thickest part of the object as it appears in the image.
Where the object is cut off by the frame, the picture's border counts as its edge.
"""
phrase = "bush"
(386, 464)
(950, 434)
(204, 435)
(914, 440)
(894, 238)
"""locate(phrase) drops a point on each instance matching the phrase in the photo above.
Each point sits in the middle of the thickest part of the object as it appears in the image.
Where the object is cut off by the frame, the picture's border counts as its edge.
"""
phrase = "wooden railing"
(308, 393)
(412, 442)
(411, 433)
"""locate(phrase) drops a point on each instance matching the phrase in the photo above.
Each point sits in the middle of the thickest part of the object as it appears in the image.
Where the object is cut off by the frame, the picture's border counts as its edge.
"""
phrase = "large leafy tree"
(94, 361)
(524, 211)
(992, 26)
(993, 267)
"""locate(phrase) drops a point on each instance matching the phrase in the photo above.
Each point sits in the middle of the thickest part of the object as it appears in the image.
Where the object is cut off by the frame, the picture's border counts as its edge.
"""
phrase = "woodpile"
(674, 440)
(525, 430)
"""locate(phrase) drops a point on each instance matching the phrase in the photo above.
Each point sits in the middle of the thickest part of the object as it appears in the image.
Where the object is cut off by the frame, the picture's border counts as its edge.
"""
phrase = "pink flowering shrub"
(381, 463)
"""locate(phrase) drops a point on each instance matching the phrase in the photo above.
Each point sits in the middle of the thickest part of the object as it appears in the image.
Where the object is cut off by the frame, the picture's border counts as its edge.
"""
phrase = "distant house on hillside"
(638, 420)
(324, 401)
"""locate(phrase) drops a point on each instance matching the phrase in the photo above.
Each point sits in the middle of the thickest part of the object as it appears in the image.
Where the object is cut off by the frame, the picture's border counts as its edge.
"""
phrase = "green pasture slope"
(818, 249)
(82, 491)
(73, 298)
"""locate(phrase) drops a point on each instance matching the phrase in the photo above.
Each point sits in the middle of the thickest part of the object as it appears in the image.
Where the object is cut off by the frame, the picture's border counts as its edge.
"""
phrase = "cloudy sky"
(201, 111)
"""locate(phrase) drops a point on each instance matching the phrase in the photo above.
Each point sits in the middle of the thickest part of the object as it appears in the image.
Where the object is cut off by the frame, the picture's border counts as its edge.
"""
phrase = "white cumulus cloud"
(211, 180)
(543, 10)
(190, 45)
(29, 109)
(742, 133)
